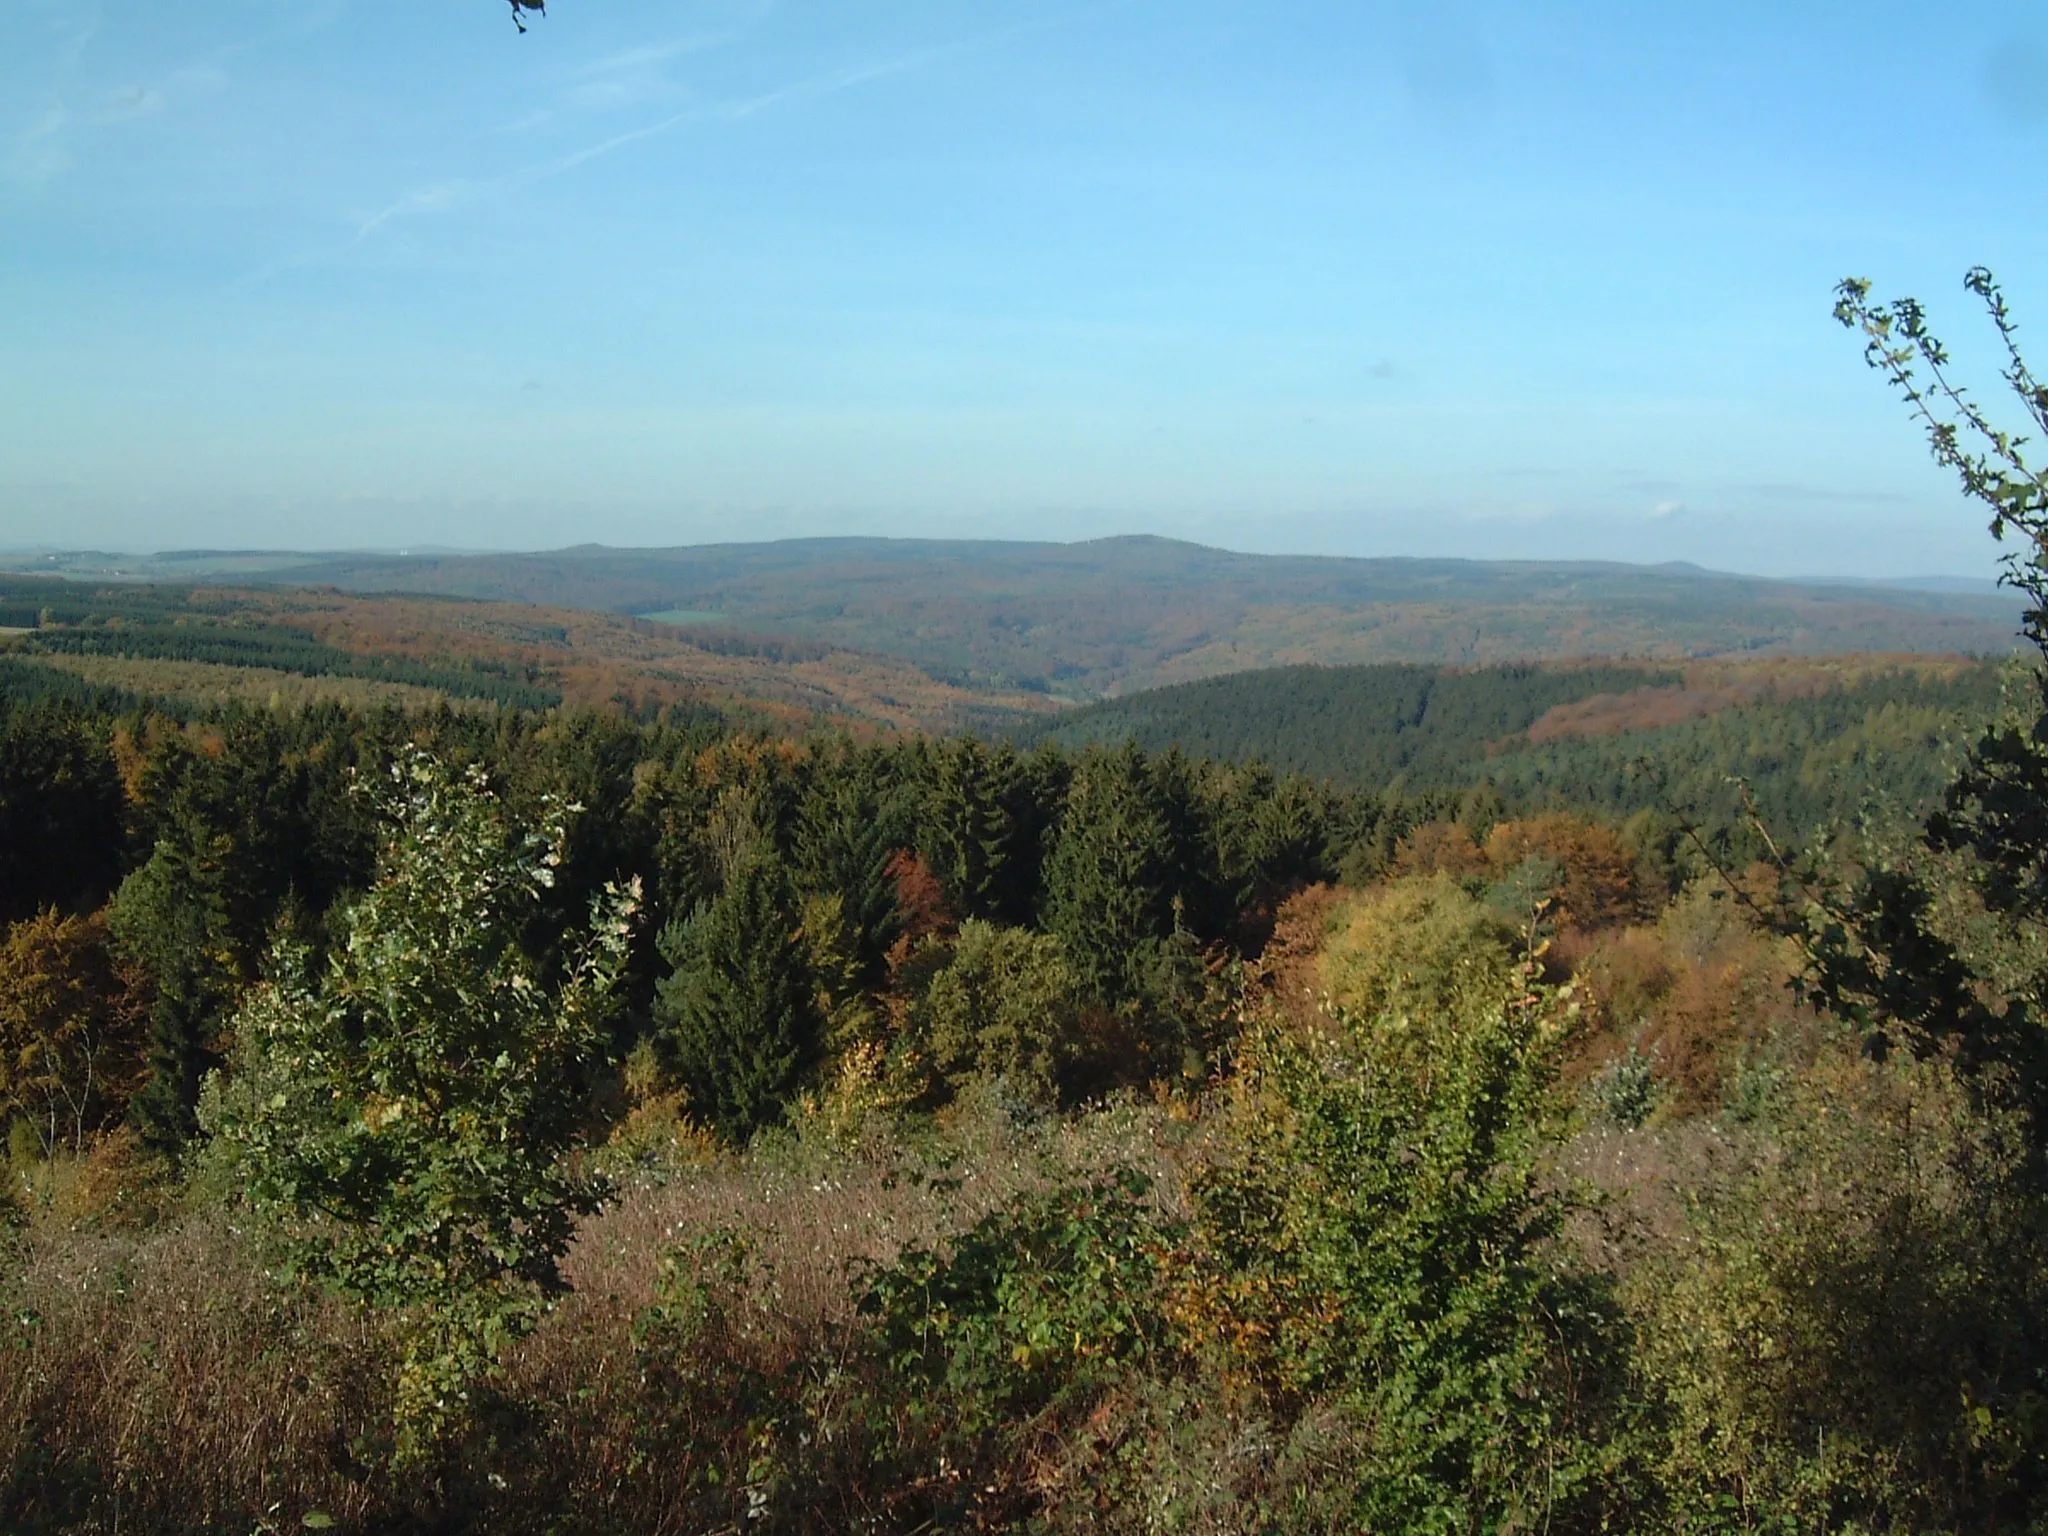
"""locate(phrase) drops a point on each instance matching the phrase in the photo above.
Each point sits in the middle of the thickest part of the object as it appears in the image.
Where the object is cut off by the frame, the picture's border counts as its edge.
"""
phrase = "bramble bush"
(1846, 1332)
(1011, 1335)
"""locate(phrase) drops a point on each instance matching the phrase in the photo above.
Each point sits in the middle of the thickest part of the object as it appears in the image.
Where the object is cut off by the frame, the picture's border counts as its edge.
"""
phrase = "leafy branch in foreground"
(1940, 943)
(406, 1109)
(1986, 457)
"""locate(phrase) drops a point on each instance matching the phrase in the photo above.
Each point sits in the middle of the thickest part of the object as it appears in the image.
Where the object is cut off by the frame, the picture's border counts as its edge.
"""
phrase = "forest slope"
(190, 641)
(1814, 738)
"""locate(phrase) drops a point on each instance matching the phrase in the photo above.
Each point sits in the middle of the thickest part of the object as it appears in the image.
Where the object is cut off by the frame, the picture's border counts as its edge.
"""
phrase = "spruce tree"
(965, 835)
(172, 917)
(850, 826)
(60, 810)
(1110, 879)
(231, 846)
(740, 1010)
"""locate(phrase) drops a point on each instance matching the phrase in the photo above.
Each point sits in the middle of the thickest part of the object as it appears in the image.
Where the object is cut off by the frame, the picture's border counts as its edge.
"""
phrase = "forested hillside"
(215, 644)
(1081, 621)
(1810, 742)
(605, 1124)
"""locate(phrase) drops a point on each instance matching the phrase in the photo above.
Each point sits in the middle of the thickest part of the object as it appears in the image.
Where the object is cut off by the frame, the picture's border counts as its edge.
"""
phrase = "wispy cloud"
(451, 192)
(45, 146)
(446, 193)
(631, 59)
(635, 76)
(734, 111)
(422, 200)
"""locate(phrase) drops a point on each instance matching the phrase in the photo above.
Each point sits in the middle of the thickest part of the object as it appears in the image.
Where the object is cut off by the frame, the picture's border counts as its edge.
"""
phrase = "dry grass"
(159, 1382)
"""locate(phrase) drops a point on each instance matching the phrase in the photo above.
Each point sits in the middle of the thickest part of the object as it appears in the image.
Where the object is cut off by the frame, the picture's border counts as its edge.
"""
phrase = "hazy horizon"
(11, 555)
(1407, 280)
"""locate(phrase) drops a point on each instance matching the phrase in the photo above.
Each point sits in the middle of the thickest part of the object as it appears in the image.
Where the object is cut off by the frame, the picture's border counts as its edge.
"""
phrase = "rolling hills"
(212, 643)
(1083, 621)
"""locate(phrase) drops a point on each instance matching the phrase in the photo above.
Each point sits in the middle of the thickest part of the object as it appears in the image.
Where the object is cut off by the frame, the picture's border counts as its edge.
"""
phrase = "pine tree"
(231, 847)
(1111, 876)
(740, 1010)
(850, 826)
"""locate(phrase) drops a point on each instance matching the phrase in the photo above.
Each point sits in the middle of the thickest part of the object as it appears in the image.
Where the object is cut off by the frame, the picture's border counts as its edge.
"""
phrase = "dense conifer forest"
(1813, 742)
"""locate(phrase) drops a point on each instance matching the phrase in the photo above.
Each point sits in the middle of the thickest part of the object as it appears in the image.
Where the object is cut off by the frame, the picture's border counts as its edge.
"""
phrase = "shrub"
(1419, 949)
(71, 1027)
(994, 1346)
(1373, 1241)
(406, 1110)
(1006, 1005)
(1625, 1093)
(1846, 1334)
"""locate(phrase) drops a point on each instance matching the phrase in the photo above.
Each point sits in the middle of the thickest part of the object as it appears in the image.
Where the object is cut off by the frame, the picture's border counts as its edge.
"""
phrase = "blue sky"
(1508, 281)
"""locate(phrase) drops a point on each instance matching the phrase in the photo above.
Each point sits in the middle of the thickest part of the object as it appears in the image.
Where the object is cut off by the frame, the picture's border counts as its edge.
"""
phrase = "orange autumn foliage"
(1600, 881)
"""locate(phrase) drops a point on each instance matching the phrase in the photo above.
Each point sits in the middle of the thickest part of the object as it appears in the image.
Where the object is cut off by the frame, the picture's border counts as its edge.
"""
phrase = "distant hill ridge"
(1110, 616)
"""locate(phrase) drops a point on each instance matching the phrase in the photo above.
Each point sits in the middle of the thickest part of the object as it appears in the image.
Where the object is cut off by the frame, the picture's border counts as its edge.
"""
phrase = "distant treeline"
(180, 624)
(27, 682)
(1808, 755)
(27, 601)
(1356, 726)
(291, 650)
